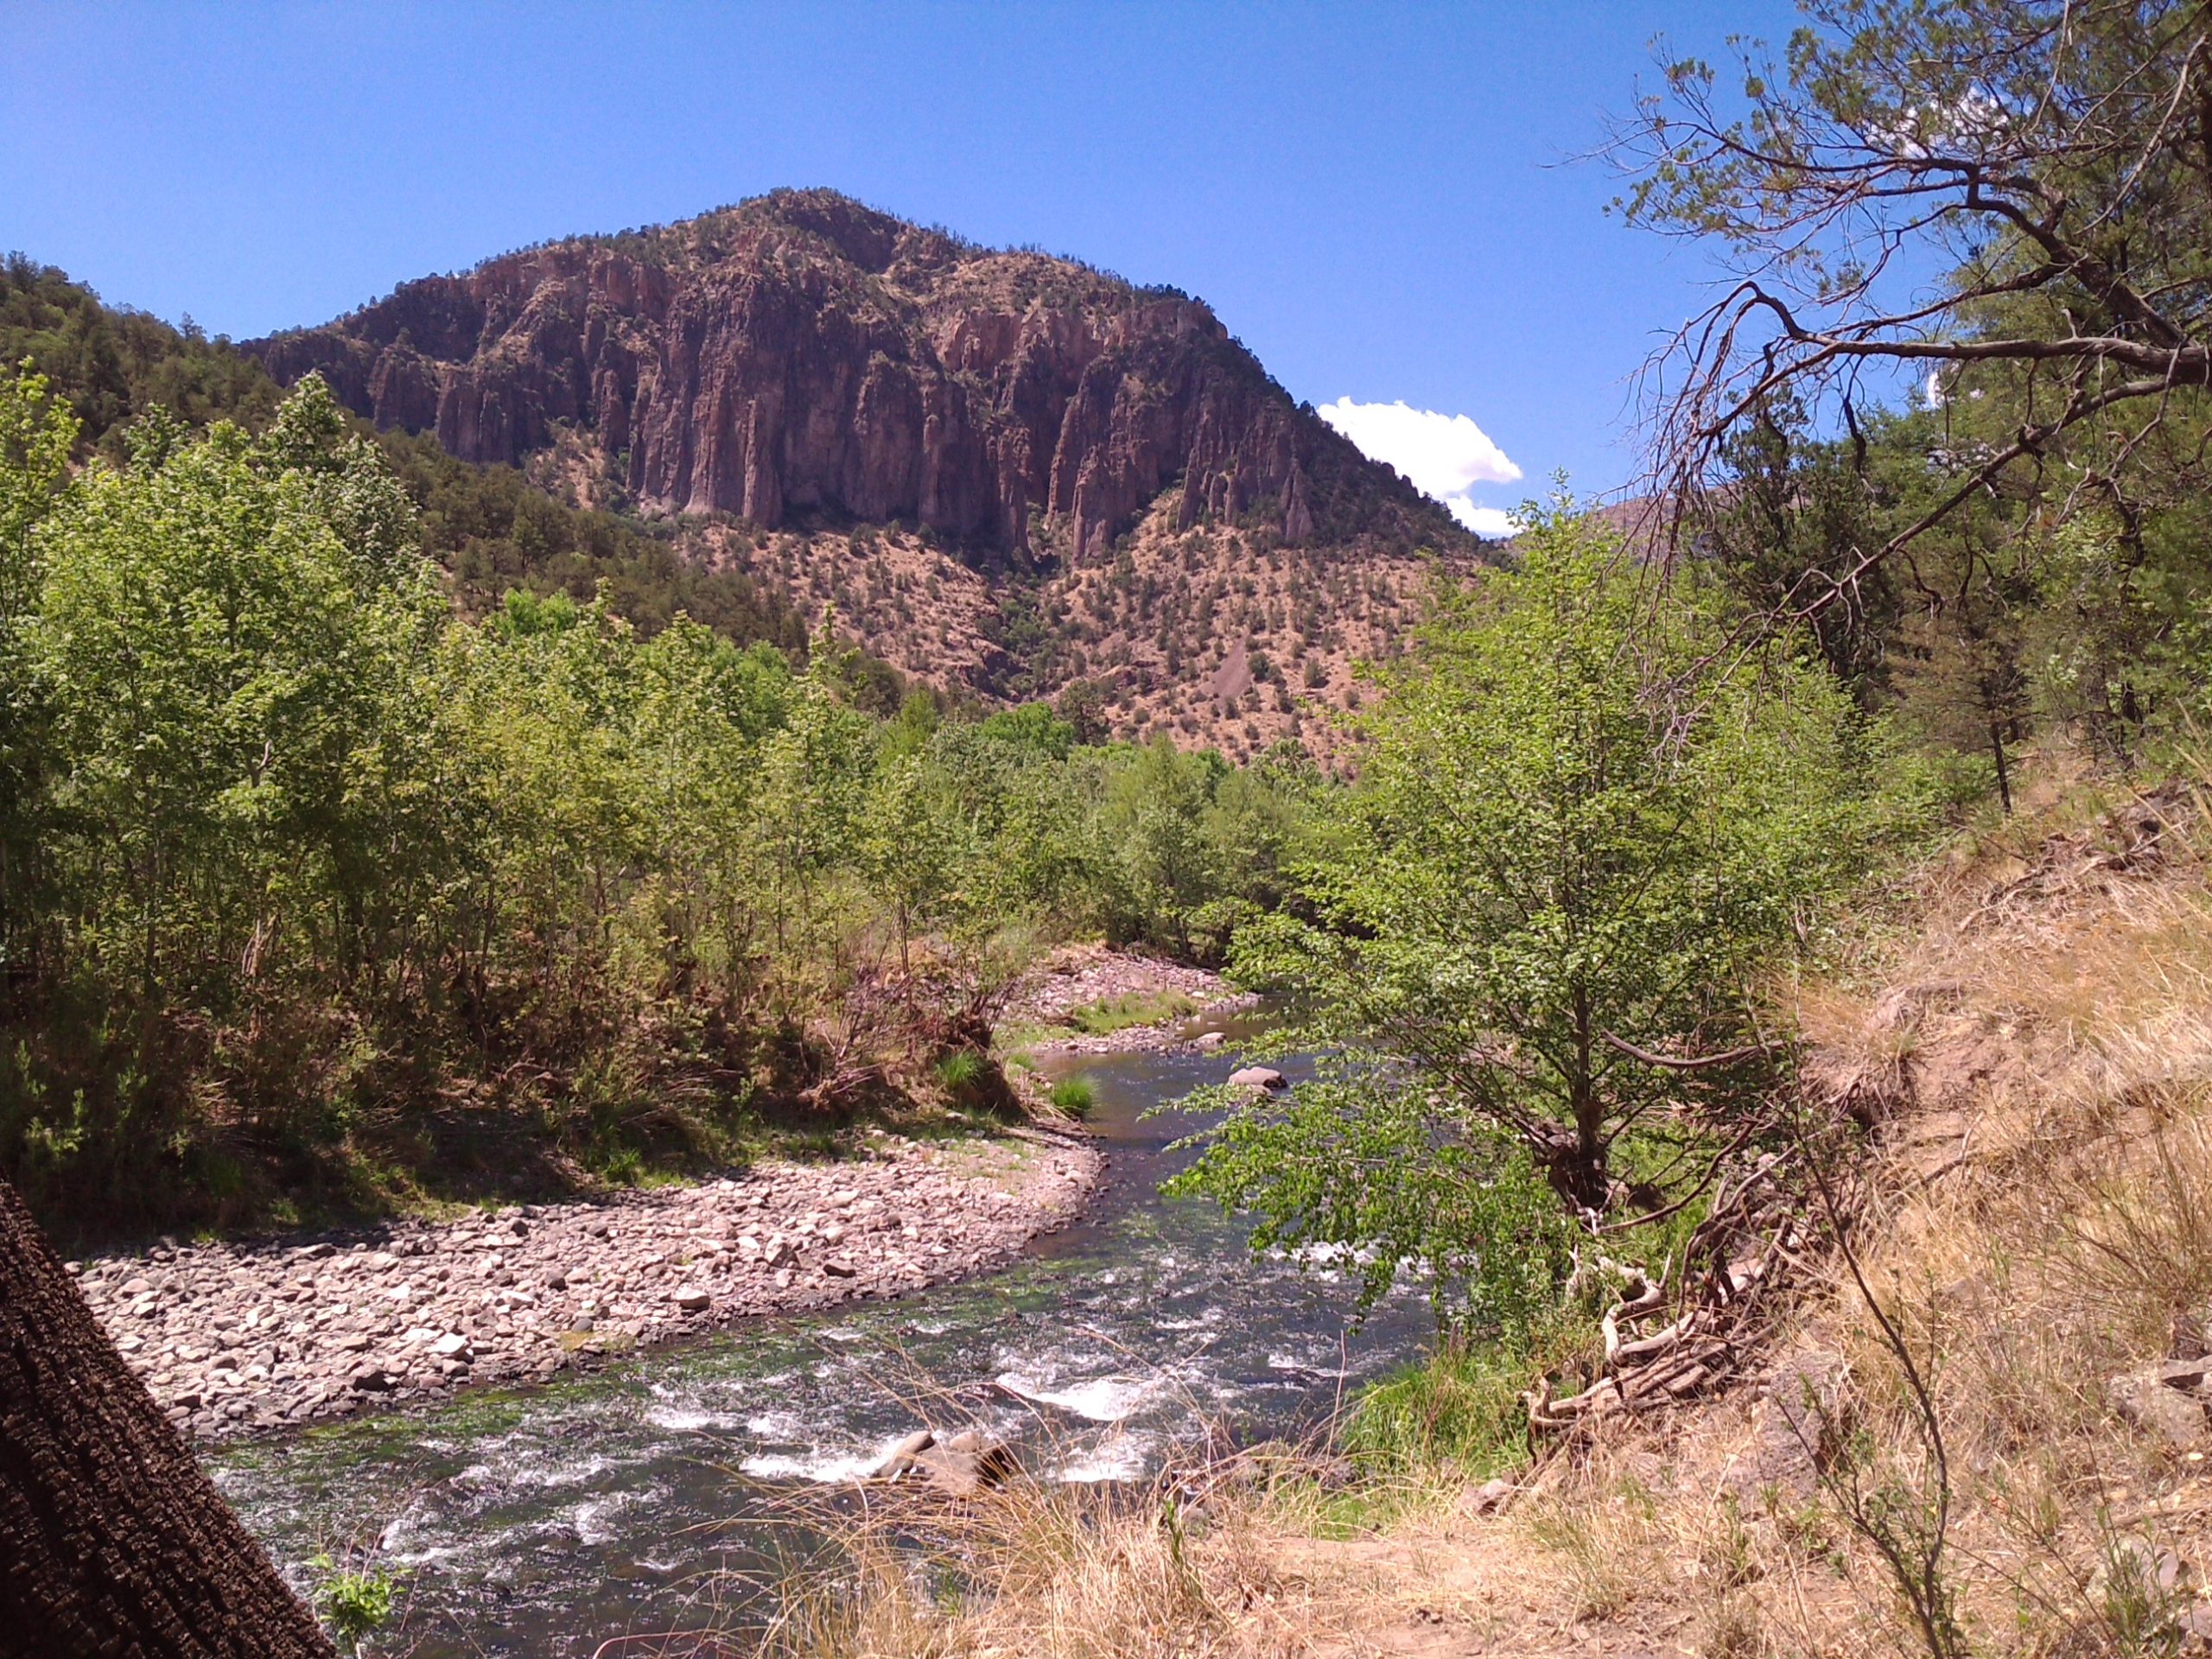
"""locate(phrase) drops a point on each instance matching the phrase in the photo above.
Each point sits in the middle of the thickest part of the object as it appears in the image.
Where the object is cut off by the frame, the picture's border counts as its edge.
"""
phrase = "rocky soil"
(233, 1337)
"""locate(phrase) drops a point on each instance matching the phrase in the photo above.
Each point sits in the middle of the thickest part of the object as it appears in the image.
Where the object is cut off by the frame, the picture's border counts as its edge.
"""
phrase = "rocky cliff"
(801, 355)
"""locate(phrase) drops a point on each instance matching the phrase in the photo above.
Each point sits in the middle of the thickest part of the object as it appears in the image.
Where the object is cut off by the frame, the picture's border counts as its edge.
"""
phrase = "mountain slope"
(800, 352)
(1011, 475)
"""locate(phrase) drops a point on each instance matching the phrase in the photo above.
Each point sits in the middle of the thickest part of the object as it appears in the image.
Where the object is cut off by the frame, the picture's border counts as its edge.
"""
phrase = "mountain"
(1009, 473)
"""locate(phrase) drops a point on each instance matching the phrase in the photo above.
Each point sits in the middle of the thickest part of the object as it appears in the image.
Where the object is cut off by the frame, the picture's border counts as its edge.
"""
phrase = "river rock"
(1265, 1078)
(966, 1464)
(2165, 1414)
(296, 1331)
(900, 1458)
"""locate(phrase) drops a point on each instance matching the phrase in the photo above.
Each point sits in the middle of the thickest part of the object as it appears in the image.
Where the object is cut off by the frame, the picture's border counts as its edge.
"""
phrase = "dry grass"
(1066, 1571)
(2036, 1222)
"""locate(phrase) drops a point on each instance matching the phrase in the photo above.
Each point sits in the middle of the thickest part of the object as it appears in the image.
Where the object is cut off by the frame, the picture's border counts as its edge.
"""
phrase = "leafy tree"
(2047, 155)
(1530, 934)
(1155, 812)
(218, 625)
(36, 434)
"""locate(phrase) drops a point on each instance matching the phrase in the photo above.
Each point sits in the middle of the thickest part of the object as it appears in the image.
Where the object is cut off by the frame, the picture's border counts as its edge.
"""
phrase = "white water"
(545, 1523)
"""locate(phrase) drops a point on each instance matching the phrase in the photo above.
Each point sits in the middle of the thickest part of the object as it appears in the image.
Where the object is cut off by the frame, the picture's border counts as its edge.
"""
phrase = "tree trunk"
(116, 1544)
(1574, 1165)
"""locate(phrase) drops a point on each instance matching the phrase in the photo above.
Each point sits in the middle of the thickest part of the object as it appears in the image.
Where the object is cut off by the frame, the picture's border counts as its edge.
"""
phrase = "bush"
(1459, 1410)
(1073, 1096)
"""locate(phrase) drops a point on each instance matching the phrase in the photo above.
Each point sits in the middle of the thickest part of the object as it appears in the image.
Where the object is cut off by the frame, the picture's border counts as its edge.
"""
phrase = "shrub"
(1074, 1096)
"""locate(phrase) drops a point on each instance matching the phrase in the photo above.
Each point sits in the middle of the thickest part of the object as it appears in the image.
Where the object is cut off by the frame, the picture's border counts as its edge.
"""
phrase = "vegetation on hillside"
(488, 527)
(315, 892)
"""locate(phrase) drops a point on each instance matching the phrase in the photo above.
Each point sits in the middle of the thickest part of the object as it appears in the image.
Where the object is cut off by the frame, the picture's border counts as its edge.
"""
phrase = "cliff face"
(803, 353)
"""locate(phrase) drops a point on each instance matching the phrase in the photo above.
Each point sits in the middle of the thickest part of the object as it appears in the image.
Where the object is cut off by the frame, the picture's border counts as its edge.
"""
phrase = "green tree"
(1583, 826)
(1154, 814)
(36, 433)
(219, 625)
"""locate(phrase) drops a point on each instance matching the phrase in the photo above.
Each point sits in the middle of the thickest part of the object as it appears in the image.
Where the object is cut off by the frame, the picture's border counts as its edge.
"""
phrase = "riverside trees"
(1530, 935)
(309, 885)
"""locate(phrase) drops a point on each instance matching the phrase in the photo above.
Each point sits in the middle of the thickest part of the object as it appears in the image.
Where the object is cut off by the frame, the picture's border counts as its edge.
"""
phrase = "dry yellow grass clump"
(1974, 1430)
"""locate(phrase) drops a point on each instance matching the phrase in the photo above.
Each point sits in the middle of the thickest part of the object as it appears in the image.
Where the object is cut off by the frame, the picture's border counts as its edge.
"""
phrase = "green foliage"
(1350, 1172)
(354, 1605)
(960, 1069)
(1459, 1410)
(1130, 1008)
(1582, 820)
(1031, 726)
(1073, 1096)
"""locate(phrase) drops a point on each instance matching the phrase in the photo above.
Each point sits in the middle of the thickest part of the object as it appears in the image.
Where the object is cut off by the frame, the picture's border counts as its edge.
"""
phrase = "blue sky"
(1383, 201)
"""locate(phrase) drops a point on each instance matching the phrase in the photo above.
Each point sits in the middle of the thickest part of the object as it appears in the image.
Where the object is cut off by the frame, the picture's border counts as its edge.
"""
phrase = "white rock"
(1264, 1077)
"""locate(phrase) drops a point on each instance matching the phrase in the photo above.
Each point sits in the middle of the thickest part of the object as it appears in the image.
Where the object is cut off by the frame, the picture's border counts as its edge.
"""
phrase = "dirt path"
(233, 1337)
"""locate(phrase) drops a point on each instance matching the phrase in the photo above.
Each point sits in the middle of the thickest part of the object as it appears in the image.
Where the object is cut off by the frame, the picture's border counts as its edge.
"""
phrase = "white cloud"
(1493, 522)
(1442, 455)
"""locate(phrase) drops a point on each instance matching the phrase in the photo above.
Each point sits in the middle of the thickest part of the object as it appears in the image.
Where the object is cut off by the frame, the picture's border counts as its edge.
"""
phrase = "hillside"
(1990, 1410)
(1010, 473)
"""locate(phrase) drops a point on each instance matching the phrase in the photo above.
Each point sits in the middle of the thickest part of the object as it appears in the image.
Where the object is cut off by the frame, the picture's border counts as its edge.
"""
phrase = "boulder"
(960, 1466)
(1265, 1078)
(1489, 1498)
(1210, 1039)
(966, 1464)
(900, 1458)
(691, 1299)
(2165, 1414)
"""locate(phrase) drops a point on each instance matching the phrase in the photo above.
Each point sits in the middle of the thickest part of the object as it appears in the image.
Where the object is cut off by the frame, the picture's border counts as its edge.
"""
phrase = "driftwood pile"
(1754, 1233)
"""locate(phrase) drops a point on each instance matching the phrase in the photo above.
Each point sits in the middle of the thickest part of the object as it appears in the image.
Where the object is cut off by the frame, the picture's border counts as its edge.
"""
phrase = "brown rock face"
(801, 353)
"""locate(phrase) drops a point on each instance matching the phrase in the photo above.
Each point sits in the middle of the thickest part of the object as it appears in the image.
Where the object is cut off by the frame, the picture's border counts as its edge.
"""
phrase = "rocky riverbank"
(233, 1337)
(1049, 1005)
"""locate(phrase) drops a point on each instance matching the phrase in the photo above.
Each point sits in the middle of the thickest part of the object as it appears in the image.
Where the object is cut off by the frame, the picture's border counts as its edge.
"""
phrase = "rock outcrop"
(802, 354)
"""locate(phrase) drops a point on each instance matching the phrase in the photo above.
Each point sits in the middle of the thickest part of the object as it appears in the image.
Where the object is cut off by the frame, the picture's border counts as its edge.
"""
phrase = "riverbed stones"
(965, 1465)
(1265, 1078)
(2164, 1413)
(292, 1331)
(958, 1465)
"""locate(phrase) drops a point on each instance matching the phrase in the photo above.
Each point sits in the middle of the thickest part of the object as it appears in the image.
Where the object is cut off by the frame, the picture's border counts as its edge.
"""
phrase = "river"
(543, 1522)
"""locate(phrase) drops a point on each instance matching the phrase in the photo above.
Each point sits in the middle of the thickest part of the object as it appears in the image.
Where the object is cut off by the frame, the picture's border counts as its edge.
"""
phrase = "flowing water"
(546, 1522)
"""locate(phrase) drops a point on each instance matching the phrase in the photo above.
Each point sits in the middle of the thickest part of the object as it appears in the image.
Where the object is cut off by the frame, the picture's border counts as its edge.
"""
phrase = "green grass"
(1133, 1008)
(354, 1605)
(1459, 1410)
(1074, 1096)
(959, 1069)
